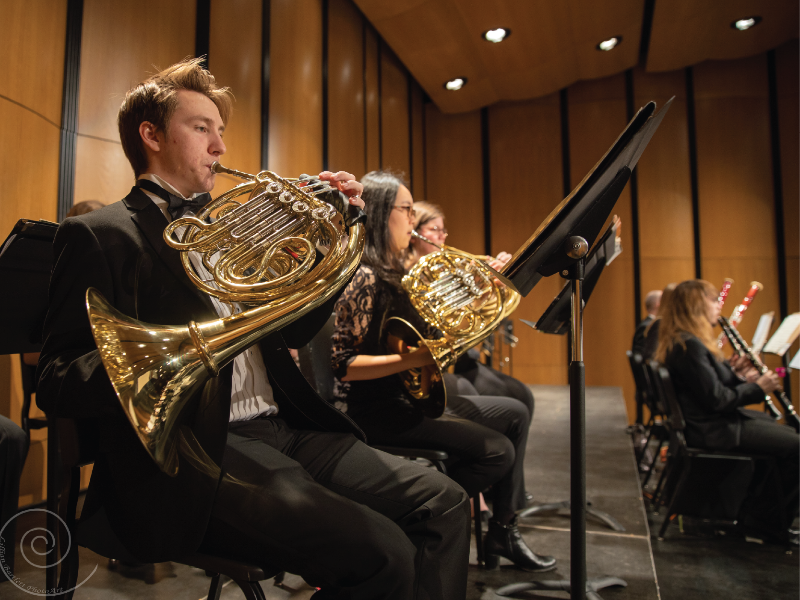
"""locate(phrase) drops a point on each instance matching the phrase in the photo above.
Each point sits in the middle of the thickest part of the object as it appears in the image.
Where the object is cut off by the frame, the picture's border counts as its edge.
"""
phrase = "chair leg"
(251, 590)
(476, 503)
(53, 490)
(215, 588)
(673, 501)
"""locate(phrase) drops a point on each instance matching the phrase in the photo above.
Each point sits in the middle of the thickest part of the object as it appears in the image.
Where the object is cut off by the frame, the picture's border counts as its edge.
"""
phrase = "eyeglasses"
(437, 230)
(409, 210)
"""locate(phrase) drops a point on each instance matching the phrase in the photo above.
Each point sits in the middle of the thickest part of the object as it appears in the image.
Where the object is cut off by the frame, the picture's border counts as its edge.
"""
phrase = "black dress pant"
(344, 516)
(761, 508)
(13, 450)
(490, 382)
(481, 457)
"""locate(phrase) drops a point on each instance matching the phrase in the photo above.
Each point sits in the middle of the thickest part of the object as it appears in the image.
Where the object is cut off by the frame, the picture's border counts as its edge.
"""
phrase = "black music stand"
(556, 320)
(26, 258)
(560, 245)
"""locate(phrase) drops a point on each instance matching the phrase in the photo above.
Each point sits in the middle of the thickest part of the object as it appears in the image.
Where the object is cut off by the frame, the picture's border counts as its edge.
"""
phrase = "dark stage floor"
(687, 566)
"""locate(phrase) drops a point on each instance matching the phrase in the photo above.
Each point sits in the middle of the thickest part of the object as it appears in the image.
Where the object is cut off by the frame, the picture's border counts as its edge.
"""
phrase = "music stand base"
(593, 586)
(606, 518)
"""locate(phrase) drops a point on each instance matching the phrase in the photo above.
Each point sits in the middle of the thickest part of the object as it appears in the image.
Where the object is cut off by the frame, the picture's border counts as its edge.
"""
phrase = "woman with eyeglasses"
(473, 378)
(369, 388)
(712, 395)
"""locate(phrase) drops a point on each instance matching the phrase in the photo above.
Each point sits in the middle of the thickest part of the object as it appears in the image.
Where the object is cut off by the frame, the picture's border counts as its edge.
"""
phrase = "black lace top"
(361, 310)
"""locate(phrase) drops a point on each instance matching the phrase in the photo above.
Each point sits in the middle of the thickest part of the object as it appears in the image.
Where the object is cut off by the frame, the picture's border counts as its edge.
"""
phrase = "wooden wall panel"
(417, 141)
(102, 172)
(116, 54)
(234, 57)
(32, 72)
(666, 240)
(372, 136)
(295, 90)
(596, 116)
(454, 175)
(737, 218)
(525, 137)
(788, 67)
(395, 142)
(346, 123)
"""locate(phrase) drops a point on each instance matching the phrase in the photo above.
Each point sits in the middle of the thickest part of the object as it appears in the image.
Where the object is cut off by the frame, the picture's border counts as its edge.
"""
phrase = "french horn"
(461, 296)
(261, 253)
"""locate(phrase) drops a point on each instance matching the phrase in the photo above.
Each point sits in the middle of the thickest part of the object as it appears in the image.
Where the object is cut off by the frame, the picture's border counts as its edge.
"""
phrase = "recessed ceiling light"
(496, 35)
(455, 84)
(609, 44)
(745, 24)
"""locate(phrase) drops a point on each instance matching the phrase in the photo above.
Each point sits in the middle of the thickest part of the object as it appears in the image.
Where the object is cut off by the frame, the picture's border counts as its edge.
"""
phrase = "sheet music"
(617, 250)
(762, 331)
(795, 362)
(786, 334)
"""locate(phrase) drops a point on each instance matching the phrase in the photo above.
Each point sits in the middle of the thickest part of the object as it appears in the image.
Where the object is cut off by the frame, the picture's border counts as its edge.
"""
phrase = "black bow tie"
(177, 206)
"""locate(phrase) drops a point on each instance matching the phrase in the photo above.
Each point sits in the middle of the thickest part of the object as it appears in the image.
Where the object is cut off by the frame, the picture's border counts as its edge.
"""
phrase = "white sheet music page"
(786, 334)
(795, 362)
(762, 331)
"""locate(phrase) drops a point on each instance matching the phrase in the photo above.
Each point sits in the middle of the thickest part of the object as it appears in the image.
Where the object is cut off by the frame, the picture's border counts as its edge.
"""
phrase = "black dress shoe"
(506, 541)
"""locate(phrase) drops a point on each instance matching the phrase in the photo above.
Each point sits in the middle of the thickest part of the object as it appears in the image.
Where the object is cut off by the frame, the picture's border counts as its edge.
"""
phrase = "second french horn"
(461, 296)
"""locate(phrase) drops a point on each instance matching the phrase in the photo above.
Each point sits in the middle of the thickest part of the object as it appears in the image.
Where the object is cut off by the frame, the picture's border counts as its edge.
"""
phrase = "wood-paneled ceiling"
(553, 42)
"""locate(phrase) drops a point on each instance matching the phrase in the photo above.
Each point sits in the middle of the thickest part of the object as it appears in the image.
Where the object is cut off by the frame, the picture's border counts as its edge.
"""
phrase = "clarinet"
(742, 349)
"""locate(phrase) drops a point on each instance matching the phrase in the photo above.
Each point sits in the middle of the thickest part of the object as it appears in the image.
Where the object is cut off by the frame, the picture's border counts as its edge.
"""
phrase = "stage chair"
(74, 446)
(682, 460)
(315, 364)
(645, 396)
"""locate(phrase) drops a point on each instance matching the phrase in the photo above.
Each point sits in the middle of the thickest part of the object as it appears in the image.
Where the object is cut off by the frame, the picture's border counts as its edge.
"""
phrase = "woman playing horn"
(473, 377)
(367, 381)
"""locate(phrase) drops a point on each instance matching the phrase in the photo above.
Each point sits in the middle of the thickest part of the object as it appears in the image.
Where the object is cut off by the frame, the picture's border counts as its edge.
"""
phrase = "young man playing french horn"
(298, 489)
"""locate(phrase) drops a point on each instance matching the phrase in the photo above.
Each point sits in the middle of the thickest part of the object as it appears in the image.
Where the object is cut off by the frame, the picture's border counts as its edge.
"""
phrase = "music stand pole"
(578, 587)
(577, 437)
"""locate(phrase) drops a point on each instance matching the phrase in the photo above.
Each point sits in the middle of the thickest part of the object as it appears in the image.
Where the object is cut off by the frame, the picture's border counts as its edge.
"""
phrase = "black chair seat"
(238, 571)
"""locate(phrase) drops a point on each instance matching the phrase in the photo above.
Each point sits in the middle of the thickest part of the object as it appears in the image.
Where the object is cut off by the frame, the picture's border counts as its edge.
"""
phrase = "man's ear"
(150, 136)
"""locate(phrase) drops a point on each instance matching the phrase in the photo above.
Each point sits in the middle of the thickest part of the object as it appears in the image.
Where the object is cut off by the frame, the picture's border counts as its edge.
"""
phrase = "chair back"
(644, 388)
(315, 360)
(28, 377)
(666, 389)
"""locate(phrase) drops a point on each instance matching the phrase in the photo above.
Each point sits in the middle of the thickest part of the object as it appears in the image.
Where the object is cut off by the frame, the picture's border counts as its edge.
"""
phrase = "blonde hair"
(686, 312)
(155, 100)
(425, 211)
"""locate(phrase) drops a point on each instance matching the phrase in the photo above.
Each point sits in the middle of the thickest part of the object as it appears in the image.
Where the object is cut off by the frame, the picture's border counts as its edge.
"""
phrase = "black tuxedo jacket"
(710, 394)
(120, 251)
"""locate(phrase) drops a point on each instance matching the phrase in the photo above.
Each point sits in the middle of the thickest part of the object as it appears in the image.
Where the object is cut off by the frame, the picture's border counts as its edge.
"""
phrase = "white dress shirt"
(251, 393)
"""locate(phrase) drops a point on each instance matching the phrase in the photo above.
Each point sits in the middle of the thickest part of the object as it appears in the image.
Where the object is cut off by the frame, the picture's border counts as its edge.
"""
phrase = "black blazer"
(120, 251)
(638, 336)
(710, 395)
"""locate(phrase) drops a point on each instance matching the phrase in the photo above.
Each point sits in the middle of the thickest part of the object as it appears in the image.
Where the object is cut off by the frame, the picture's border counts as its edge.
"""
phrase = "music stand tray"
(26, 258)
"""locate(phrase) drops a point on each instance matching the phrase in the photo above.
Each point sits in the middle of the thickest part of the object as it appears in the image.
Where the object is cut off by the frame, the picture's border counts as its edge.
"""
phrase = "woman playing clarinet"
(712, 396)
(367, 377)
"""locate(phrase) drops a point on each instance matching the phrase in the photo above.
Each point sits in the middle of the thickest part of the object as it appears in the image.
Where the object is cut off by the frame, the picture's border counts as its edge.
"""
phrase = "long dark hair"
(380, 191)
(686, 312)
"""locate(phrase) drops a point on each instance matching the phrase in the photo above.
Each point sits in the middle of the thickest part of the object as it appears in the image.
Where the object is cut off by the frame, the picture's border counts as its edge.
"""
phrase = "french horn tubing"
(261, 253)
(461, 296)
